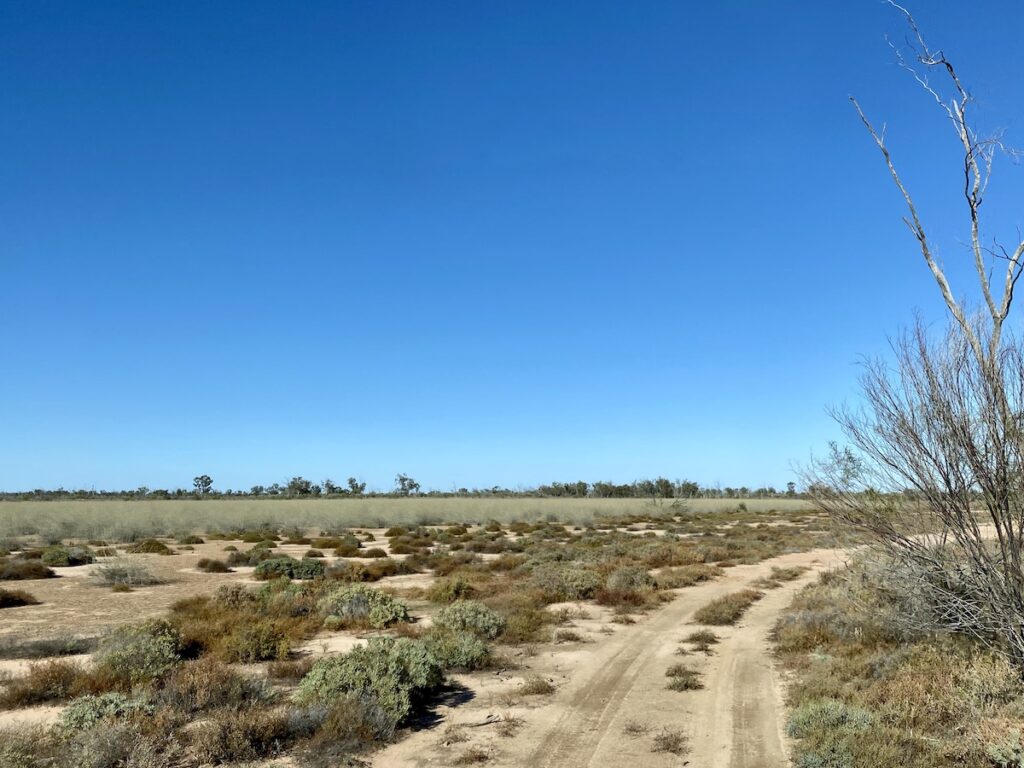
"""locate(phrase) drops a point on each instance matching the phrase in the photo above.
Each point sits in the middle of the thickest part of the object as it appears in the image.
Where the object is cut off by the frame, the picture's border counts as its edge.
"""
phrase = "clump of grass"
(509, 725)
(727, 609)
(44, 682)
(702, 640)
(671, 741)
(535, 685)
(568, 636)
(682, 678)
(635, 728)
(290, 670)
(15, 598)
(471, 756)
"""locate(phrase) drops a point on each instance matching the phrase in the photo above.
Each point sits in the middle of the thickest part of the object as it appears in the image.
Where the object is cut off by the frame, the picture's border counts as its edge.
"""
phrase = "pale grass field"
(125, 520)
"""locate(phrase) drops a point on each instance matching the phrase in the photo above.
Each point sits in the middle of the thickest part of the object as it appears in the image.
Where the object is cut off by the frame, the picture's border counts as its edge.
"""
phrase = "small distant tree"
(202, 484)
(405, 485)
(300, 486)
(791, 488)
(355, 487)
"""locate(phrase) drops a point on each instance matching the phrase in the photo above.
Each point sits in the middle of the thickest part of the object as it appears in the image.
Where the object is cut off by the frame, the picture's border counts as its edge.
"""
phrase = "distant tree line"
(300, 487)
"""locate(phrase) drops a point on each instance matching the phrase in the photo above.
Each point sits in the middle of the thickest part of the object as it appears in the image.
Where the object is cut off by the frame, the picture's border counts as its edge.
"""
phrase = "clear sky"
(480, 243)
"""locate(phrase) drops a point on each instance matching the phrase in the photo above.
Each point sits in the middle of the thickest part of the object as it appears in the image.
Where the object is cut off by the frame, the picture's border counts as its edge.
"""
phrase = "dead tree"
(933, 472)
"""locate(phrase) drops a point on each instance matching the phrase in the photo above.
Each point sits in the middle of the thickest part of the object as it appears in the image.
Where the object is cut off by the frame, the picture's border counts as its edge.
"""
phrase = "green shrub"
(66, 557)
(565, 581)
(259, 640)
(827, 715)
(470, 616)
(450, 590)
(86, 711)
(290, 567)
(357, 604)
(629, 578)
(458, 650)
(251, 557)
(398, 673)
(136, 653)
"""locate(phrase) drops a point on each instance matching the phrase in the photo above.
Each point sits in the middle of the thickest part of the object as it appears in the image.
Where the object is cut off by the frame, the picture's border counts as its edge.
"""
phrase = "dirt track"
(736, 721)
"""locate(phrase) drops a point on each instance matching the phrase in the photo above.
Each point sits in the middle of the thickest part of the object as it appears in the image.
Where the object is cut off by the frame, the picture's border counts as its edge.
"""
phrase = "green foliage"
(137, 653)
(358, 604)
(727, 609)
(86, 711)
(458, 650)
(260, 640)
(397, 673)
(290, 567)
(1008, 753)
(565, 581)
(450, 590)
(470, 616)
(65, 557)
(629, 578)
(825, 715)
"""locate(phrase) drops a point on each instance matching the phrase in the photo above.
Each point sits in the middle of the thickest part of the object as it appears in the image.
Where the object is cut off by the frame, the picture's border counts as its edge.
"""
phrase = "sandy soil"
(736, 721)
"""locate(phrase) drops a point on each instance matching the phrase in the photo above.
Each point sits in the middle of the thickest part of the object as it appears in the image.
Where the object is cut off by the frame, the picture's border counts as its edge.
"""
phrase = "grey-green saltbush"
(86, 711)
(397, 673)
(140, 652)
(827, 715)
(360, 604)
(461, 651)
(629, 578)
(290, 567)
(470, 616)
(565, 581)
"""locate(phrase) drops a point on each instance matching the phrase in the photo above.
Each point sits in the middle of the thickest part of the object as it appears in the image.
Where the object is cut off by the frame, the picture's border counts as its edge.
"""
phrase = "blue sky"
(479, 243)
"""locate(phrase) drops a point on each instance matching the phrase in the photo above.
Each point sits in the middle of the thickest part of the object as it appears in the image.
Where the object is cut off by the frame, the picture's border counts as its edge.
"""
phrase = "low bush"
(727, 609)
(450, 590)
(350, 724)
(564, 581)
(682, 678)
(673, 742)
(629, 578)
(259, 640)
(67, 557)
(289, 567)
(470, 616)
(191, 540)
(87, 711)
(229, 736)
(206, 684)
(359, 605)
(687, 575)
(207, 565)
(137, 653)
(14, 598)
(397, 673)
(249, 558)
(535, 685)
(313, 553)
(372, 552)
(44, 682)
(458, 650)
(23, 570)
(123, 573)
(149, 547)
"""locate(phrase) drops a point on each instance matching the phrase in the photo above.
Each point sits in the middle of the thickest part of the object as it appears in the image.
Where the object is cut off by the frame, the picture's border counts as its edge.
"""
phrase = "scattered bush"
(826, 715)
(629, 578)
(535, 685)
(289, 567)
(230, 736)
(87, 711)
(123, 573)
(149, 547)
(191, 540)
(470, 616)
(351, 724)
(66, 557)
(564, 581)
(357, 604)
(687, 575)
(458, 650)
(682, 678)
(727, 609)
(44, 682)
(23, 570)
(314, 553)
(14, 598)
(673, 742)
(398, 673)
(259, 640)
(137, 653)
(206, 565)
(450, 590)
(372, 552)
(198, 686)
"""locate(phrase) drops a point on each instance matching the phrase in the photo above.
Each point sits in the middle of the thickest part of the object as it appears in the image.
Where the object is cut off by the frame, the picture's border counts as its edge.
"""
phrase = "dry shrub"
(149, 547)
(46, 681)
(14, 598)
(682, 678)
(207, 565)
(687, 575)
(702, 640)
(232, 736)
(291, 670)
(727, 609)
(671, 741)
(23, 570)
(471, 756)
(207, 684)
(535, 685)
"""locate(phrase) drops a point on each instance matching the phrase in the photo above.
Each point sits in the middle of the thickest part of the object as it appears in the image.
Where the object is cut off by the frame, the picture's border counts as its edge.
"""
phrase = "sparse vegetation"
(727, 609)
(14, 598)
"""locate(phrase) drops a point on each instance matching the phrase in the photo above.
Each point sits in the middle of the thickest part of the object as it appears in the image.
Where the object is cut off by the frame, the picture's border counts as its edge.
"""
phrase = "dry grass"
(727, 609)
(535, 685)
(14, 598)
(682, 678)
(115, 520)
(671, 741)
